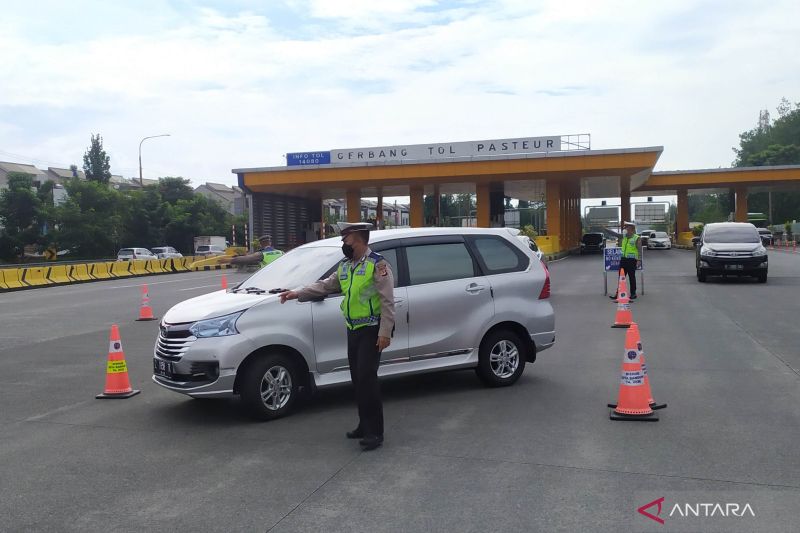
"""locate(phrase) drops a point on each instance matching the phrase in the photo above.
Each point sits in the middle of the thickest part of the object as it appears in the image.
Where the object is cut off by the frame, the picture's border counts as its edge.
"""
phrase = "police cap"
(629, 223)
(266, 237)
(346, 229)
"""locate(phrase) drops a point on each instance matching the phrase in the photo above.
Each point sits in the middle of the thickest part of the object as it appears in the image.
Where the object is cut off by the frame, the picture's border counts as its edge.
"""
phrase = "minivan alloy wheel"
(276, 387)
(504, 359)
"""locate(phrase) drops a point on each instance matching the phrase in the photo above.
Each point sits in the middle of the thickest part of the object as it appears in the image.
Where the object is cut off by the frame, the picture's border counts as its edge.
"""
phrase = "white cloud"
(241, 88)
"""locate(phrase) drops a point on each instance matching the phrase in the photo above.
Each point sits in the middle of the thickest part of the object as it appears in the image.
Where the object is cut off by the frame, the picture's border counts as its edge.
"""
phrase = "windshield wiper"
(250, 290)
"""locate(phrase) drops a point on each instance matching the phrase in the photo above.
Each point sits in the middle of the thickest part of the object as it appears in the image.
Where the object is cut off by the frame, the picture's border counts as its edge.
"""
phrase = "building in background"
(231, 199)
(6, 168)
(60, 175)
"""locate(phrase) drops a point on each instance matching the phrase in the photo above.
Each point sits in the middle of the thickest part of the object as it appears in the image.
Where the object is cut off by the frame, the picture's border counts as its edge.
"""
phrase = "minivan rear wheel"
(270, 387)
(501, 359)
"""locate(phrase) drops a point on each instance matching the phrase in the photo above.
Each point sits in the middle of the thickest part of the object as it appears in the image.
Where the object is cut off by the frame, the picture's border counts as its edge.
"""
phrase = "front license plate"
(733, 267)
(163, 368)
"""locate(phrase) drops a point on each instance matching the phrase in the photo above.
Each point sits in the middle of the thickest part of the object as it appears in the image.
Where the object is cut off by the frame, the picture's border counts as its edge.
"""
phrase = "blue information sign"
(612, 257)
(308, 158)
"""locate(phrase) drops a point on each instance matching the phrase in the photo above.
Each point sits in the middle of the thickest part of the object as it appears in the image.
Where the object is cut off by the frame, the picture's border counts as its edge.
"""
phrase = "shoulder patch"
(383, 268)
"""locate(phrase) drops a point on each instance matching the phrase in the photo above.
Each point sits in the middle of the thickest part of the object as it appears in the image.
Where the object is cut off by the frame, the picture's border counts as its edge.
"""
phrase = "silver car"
(464, 298)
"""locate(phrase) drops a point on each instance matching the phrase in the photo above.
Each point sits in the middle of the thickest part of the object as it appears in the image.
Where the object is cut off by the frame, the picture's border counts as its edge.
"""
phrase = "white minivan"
(464, 298)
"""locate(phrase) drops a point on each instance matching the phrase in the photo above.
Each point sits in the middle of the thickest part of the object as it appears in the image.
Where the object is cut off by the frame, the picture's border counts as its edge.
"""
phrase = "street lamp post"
(141, 181)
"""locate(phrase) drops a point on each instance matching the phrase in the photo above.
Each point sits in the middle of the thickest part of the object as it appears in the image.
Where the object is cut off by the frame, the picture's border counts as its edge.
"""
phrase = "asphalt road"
(539, 456)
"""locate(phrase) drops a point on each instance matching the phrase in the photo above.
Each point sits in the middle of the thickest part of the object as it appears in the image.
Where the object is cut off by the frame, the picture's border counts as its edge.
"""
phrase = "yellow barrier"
(685, 238)
(12, 278)
(36, 276)
(179, 264)
(166, 265)
(121, 269)
(3, 285)
(100, 270)
(58, 274)
(548, 244)
(153, 266)
(80, 272)
(138, 267)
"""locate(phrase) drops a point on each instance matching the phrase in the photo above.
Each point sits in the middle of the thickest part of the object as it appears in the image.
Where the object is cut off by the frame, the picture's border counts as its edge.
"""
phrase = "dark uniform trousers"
(364, 358)
(629, 265)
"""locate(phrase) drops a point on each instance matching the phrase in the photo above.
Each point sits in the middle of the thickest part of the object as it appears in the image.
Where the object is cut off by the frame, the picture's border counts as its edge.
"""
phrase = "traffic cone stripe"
(632, 378)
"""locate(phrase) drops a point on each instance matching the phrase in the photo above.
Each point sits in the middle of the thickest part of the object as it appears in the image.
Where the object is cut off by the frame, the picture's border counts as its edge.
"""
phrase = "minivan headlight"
(707, 251)
(760, 251)
(221, 326)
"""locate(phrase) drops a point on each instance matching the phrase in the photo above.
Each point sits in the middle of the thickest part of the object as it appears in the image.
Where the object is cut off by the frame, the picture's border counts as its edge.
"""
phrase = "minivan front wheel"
(270, 387)
(501, 359)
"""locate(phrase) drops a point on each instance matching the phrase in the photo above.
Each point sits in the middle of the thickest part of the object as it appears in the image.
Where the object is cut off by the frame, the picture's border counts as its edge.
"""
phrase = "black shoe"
(370, 443)
(633, 296)
(355, 434)
(613, 297)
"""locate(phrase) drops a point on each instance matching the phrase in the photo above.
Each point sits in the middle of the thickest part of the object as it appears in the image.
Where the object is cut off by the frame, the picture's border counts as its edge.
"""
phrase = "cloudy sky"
(238, 83)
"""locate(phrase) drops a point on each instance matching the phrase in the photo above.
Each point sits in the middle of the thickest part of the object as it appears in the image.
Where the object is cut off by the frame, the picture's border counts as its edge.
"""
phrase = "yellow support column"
(417, 208)
(553, 197)
(379, 210)
(483, 205)
(625, 197)
(682, 216)
(741, 204)
(353, 205)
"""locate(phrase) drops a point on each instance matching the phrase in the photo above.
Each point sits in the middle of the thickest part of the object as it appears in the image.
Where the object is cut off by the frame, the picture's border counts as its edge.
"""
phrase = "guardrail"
(29, 277)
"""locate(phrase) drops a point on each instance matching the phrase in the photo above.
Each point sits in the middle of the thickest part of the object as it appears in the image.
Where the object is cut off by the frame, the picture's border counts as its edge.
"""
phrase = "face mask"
(347, 250)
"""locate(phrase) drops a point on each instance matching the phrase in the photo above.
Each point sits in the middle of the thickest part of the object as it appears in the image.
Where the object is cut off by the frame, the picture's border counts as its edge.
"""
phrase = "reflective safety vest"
(268, 255)
(629, 249)
(361, 305)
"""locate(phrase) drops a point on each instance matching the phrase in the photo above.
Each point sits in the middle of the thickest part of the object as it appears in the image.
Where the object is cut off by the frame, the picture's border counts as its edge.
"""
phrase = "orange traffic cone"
(145, 311)
(633, 399)
(224, 282)
(117, 383)
(624, 316)
(653, 405)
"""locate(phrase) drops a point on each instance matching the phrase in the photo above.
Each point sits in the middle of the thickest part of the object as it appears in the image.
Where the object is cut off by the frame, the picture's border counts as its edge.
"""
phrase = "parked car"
(593, 242)
(766, 236)
(166, 252)
(645, 236)
(464, 298)
(659, 240)
(209, 249)
(731, 248)
(129, 254)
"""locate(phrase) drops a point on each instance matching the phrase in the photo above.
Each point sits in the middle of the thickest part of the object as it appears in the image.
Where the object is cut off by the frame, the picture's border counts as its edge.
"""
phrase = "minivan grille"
(173, 342)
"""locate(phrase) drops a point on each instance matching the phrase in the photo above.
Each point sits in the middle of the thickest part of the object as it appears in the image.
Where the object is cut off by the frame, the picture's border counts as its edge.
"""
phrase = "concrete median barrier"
(121, 269)
(80, 272)
(12, 279)
(100, 270)
(59, 274)
(36, 276)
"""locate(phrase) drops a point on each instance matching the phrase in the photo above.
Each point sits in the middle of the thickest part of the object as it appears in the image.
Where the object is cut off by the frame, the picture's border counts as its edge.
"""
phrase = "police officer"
(631, 249)
(266, 255)
(365, 278)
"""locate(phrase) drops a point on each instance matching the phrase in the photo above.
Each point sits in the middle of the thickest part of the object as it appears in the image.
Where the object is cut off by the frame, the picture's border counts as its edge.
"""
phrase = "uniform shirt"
(383, 280)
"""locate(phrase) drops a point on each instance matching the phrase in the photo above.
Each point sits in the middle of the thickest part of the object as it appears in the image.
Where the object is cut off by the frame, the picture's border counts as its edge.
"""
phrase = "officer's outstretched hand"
(383, 343)
(288, 295)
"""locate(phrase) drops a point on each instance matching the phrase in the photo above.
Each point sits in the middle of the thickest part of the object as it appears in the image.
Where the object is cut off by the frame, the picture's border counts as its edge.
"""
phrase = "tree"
(90, 221)
(174, 189)
(774, 143)
(96, 163)
(19, 212)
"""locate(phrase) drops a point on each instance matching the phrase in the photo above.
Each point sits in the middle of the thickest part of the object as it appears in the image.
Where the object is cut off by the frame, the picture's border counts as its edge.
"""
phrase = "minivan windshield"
(731, 234)
(660, 235)
(126, 251)
(296, 268)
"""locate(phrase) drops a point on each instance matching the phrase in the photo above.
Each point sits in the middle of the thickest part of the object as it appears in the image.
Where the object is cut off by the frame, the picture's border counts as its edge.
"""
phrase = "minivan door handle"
(399, 301)
(474, 288)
